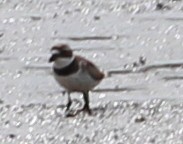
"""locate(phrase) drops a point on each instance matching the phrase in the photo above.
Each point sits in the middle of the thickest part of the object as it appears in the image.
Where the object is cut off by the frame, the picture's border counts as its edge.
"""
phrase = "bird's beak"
(52, 58)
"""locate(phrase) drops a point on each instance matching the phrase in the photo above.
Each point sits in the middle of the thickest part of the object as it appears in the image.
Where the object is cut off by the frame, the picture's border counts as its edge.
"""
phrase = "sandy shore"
(139, 103)
(150, 122)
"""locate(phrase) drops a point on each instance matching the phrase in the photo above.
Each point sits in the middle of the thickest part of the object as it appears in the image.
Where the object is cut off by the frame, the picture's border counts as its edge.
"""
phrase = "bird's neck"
(63, 62)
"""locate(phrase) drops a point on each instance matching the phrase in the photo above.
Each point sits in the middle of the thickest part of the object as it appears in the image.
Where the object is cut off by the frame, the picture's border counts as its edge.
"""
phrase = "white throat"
(63, 62)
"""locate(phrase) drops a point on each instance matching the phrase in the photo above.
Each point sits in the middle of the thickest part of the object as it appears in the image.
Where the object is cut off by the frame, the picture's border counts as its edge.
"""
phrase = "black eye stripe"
(55, 56)
(62, 54)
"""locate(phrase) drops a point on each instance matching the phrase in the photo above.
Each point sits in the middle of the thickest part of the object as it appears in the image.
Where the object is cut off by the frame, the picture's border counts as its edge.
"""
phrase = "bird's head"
(62, 55)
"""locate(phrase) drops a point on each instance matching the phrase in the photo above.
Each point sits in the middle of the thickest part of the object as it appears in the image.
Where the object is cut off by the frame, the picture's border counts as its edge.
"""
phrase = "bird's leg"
(86, 106)
(69, 102)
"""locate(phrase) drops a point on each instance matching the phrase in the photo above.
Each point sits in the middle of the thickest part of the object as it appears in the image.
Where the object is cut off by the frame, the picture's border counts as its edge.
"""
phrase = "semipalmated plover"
(74, 73)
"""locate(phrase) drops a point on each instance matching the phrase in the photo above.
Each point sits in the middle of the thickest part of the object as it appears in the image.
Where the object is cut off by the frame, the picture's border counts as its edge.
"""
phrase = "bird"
(75, 74)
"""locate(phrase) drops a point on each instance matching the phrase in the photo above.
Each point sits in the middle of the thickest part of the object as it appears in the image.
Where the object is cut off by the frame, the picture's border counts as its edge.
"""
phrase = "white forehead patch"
(55, 52)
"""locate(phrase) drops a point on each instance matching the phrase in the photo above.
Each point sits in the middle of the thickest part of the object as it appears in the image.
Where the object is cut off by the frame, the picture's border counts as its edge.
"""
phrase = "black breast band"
(67, 70)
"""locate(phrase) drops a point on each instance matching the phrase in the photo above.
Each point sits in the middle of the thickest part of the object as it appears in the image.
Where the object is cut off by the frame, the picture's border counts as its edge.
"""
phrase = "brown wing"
(90, 68)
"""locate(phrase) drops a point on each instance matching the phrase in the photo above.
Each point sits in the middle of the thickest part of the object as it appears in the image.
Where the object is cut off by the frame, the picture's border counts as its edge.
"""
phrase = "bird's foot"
(70, 113)
(85, 109)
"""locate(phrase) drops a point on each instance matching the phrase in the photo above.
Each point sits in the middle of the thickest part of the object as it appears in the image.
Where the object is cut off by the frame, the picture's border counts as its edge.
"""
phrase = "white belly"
(80, 81)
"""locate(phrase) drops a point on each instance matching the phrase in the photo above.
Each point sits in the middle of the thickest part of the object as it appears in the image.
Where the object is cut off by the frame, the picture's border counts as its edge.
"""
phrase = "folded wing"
(91, 68)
